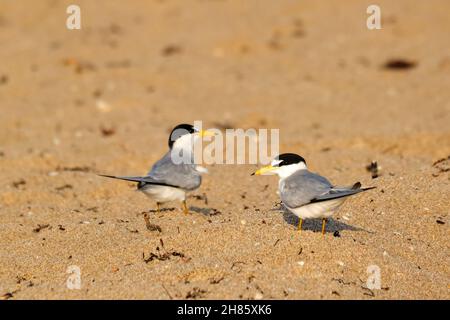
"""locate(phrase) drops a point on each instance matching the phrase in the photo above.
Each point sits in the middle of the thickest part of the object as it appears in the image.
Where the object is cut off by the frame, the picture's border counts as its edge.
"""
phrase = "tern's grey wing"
(341, 192)
(302, 187)
(182, 175)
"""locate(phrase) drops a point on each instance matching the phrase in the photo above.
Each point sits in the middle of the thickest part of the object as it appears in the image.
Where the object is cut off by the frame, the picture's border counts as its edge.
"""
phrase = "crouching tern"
(304, 193)
(175, 173)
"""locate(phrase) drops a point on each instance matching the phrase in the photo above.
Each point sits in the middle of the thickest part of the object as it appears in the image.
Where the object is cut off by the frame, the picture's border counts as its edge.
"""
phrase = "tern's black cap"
(179, 131)
(289, 158)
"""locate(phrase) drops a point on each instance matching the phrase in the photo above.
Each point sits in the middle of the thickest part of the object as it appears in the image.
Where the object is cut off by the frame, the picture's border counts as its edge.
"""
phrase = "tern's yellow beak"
(264, 170)
(205, 133)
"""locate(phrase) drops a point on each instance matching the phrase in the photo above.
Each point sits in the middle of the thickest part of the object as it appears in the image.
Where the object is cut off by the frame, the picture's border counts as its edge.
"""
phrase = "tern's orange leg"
(185, 208)
(324, 222)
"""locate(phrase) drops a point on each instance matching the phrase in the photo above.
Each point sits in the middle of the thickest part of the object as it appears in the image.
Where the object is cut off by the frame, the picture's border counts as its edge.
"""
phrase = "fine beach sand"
(104, 98)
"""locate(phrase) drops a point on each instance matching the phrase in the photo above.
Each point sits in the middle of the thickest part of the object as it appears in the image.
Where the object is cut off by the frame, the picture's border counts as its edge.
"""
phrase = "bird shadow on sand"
(315, 225)
(162, 210)
(205, 211)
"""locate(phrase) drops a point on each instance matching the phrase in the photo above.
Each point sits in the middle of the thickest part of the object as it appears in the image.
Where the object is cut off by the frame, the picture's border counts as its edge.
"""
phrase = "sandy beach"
(103, 99)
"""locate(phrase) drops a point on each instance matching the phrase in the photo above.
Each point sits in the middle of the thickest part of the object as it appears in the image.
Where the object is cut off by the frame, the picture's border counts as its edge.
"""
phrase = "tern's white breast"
(323, 209)
(163, 193)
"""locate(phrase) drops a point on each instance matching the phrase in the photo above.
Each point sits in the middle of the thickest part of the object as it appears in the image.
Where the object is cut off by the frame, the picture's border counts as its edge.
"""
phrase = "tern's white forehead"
(275, 162)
